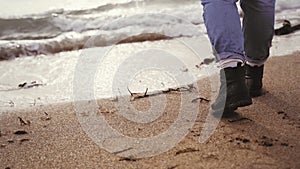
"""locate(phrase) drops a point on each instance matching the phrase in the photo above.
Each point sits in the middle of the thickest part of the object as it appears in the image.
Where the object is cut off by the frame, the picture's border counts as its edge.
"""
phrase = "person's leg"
(223, 26)
(224, 29)
(258, 28)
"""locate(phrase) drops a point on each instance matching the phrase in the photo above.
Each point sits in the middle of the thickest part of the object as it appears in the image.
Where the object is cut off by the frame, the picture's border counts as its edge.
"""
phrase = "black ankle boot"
(254, 77)
(233, 91)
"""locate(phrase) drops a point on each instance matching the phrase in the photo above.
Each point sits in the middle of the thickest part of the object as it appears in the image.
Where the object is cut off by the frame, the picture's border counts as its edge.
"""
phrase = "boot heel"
(253, 80)
(233, 90)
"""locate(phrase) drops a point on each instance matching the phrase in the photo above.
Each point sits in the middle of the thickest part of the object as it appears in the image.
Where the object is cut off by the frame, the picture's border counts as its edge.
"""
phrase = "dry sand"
(268, 137)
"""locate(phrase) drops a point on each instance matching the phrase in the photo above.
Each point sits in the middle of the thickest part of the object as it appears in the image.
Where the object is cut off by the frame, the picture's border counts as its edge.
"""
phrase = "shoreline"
(267, 137)
(53, 75)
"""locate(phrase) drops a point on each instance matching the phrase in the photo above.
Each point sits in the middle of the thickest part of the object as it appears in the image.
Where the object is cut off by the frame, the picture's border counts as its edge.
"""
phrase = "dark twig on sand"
(47, 118)
(122, 151)
(23, 122)
(10, 141)
(201, 100)
(30, 85)
(145, 94)
(138, 95)
(20, 132)
(22, 85)
(243, 140)
(179, 89)
(188, 150)
(135, 96)
(24, 140)
(127, 159)
(287, 28)
(173, 167)
(25, 86)
(130, 91)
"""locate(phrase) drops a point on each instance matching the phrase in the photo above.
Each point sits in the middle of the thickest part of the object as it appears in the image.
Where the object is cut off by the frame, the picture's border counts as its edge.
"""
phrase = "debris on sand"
(127, 159)
(122, 151)
(188, 150)
(24, 140)
(134, 96)
(188, 88)
(243, 140)
(265, 141)
(286, 28)
(46, 118)
(173, 167)
(285, 116)
(266, 144)
(20, 132)
(284, 144)
(26, 85)
(137, 95)
(24, 122)
(201, 100)
(10, 141)
(184, 69)
(280, 112)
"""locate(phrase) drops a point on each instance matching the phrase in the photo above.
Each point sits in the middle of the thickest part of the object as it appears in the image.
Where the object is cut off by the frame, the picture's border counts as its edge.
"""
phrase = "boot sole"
(233, 106)
(241, 103)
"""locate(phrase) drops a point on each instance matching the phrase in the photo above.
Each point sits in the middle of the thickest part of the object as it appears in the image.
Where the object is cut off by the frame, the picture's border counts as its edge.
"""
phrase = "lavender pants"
(250, 42)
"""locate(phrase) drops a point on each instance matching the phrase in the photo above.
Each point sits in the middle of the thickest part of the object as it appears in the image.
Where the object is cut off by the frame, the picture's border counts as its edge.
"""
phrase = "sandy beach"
(267, 135)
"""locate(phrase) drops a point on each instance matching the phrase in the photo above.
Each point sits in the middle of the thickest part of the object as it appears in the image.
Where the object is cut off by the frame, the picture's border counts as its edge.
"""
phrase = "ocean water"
(30, 27)
(56, 32)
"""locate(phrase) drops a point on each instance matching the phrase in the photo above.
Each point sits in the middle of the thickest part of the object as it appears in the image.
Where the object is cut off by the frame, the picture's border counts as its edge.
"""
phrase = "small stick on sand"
(23, 122)
(201, 100)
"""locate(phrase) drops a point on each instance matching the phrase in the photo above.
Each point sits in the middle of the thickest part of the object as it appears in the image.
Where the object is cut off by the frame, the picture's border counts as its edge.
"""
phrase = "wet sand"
(267, 136)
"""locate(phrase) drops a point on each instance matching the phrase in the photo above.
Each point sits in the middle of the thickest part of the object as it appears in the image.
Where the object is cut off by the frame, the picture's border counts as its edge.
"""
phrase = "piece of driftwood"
(286, 28)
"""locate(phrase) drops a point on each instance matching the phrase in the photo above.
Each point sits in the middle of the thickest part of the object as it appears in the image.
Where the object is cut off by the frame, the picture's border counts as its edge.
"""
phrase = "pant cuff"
(230, 55)
(230, 63)
(253, 63)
